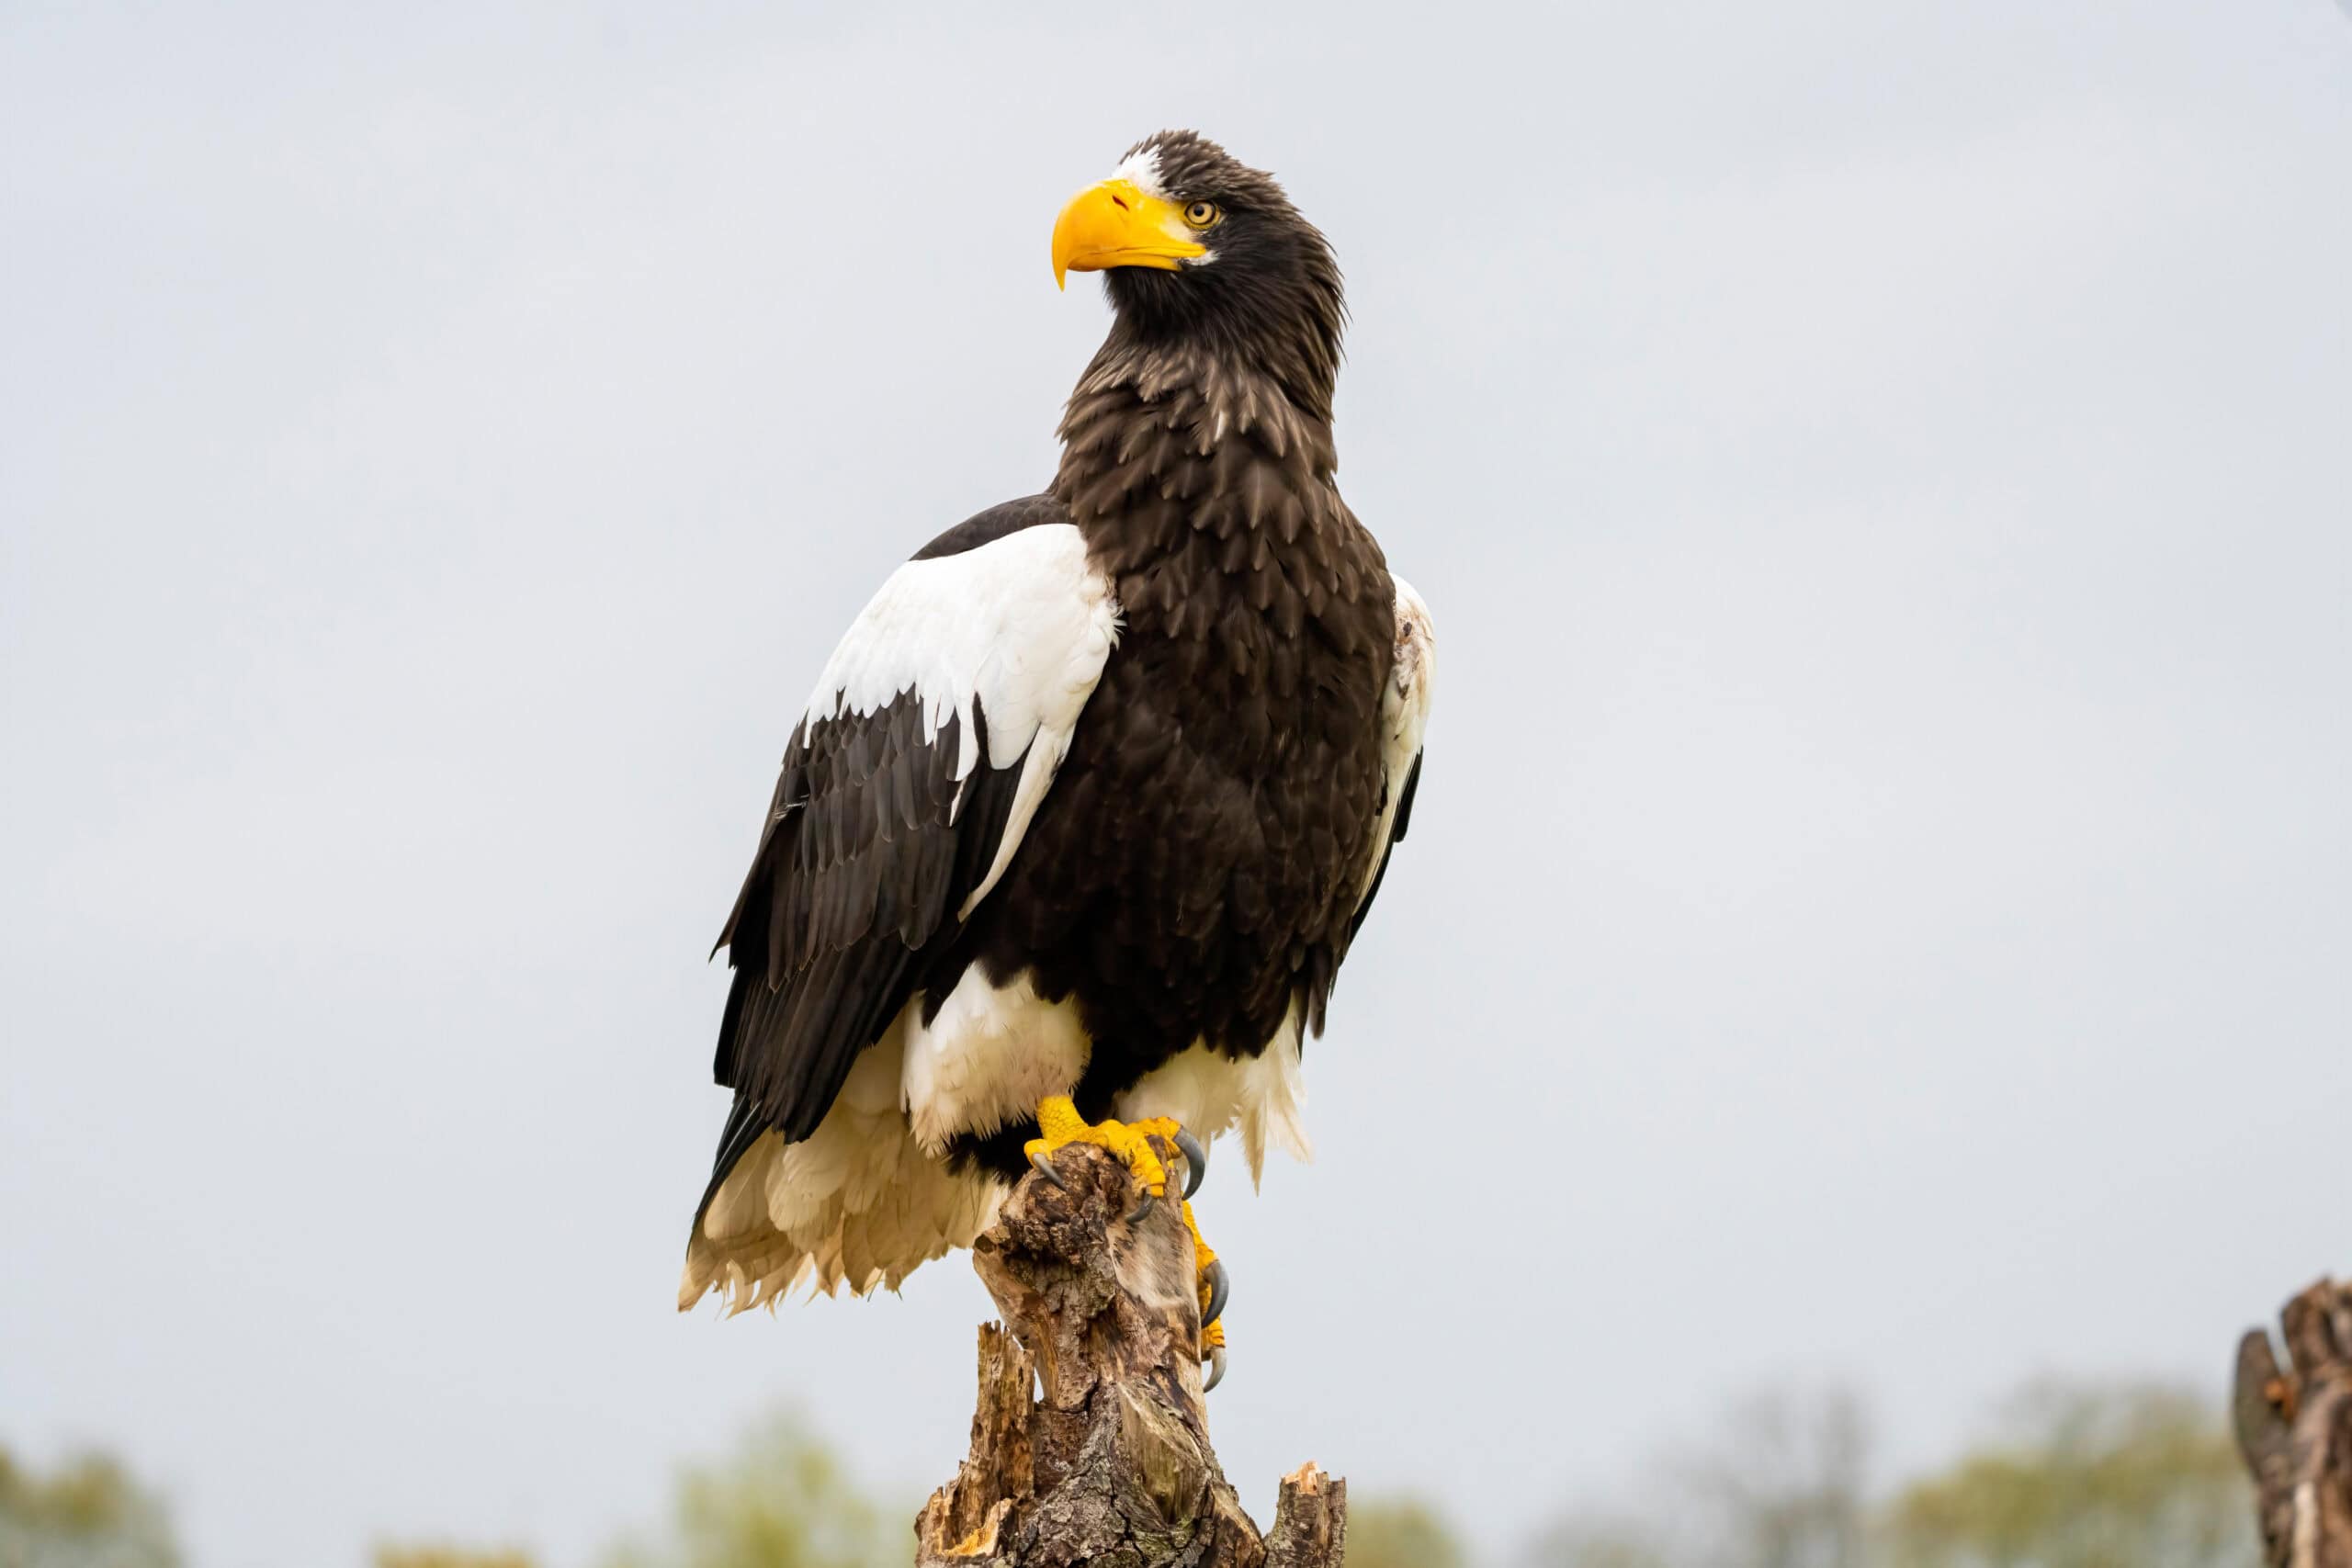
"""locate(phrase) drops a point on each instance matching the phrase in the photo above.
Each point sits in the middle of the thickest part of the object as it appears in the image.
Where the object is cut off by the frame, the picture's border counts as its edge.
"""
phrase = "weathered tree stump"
(1110, 1461)
(2295, 1427)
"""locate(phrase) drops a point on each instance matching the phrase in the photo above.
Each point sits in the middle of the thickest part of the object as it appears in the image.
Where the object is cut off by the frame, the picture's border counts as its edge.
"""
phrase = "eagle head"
(1196, 246)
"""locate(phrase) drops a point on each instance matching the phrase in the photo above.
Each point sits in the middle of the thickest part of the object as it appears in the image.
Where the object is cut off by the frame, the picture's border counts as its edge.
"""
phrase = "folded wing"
(917, 766)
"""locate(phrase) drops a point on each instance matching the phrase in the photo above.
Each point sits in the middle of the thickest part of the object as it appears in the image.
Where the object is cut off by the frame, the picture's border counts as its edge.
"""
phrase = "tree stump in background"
(2295, 1428)
(1111, 1462)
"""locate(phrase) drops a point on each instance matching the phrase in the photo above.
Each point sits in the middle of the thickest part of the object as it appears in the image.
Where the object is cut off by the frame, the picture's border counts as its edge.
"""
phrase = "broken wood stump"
(1091, 1442)
(2294, 1427)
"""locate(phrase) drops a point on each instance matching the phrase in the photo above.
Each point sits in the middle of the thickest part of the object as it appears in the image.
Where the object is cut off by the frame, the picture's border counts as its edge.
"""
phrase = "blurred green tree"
(1408, 1532)
(90, 1513)
(781, 1500)
(450, 1557)
(2080, 1476)
(2085, 1477)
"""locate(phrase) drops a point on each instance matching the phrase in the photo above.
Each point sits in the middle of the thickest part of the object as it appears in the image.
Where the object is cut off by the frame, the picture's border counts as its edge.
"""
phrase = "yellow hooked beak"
(1115, 224)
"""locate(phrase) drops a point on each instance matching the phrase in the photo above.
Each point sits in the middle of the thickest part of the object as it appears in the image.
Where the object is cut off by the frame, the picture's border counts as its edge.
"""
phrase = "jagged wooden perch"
(2294, 1427)
(1110, 1462)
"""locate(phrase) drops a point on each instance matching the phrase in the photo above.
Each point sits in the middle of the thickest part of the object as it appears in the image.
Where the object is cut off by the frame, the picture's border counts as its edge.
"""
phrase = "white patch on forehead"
(1142, 168)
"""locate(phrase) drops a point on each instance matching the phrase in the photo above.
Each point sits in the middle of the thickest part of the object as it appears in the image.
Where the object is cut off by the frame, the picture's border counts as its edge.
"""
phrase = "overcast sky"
(1878, 904)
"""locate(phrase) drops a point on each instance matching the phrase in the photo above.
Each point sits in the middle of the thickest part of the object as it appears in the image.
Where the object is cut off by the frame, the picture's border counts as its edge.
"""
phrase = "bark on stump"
(2295, 1427)
(1111, 1462)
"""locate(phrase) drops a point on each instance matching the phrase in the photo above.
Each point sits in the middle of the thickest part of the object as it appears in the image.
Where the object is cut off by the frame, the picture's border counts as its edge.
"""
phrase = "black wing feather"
(871, 847)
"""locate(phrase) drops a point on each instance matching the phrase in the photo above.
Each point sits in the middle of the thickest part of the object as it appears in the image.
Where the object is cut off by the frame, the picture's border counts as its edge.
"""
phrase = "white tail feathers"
(858, 1203)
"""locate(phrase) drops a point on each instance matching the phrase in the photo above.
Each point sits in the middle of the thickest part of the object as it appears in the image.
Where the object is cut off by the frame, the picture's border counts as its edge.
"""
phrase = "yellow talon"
(1213, 1290)
(1061, 1125)
(1203, 1255)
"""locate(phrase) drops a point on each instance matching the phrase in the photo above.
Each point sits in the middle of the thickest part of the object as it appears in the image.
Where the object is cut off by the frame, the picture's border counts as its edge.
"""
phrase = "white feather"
(1263, 1097)
(1404, 713)
(991, 1054)
(1142, 169)
(859, 1203)
(1023, 624)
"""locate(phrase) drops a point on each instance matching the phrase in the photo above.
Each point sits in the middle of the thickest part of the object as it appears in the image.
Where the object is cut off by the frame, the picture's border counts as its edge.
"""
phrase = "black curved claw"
(1196, 1161)
(1143, 1206)
(1043, 1166)
(1219, 1289)
(1216, 1369)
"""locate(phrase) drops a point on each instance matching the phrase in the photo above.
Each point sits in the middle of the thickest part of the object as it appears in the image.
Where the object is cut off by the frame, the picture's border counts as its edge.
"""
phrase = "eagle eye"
(1202, 215)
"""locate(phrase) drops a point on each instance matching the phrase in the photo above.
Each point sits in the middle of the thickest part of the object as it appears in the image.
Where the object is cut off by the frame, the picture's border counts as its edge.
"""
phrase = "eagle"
(1089, 803)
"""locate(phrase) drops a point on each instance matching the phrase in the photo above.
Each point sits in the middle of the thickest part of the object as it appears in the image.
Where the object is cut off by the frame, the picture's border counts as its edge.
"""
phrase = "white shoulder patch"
(1404, 711)
(1019, 627)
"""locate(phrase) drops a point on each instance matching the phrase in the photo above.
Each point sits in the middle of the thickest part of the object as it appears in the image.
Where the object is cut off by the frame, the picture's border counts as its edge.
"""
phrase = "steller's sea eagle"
(1090, 801)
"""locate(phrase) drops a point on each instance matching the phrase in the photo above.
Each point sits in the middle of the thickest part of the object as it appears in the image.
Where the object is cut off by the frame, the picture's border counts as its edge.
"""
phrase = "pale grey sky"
(1878, 903)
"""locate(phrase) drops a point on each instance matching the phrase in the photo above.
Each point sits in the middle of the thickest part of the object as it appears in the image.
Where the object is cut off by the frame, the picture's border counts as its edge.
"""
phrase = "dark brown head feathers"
(1268, 296)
